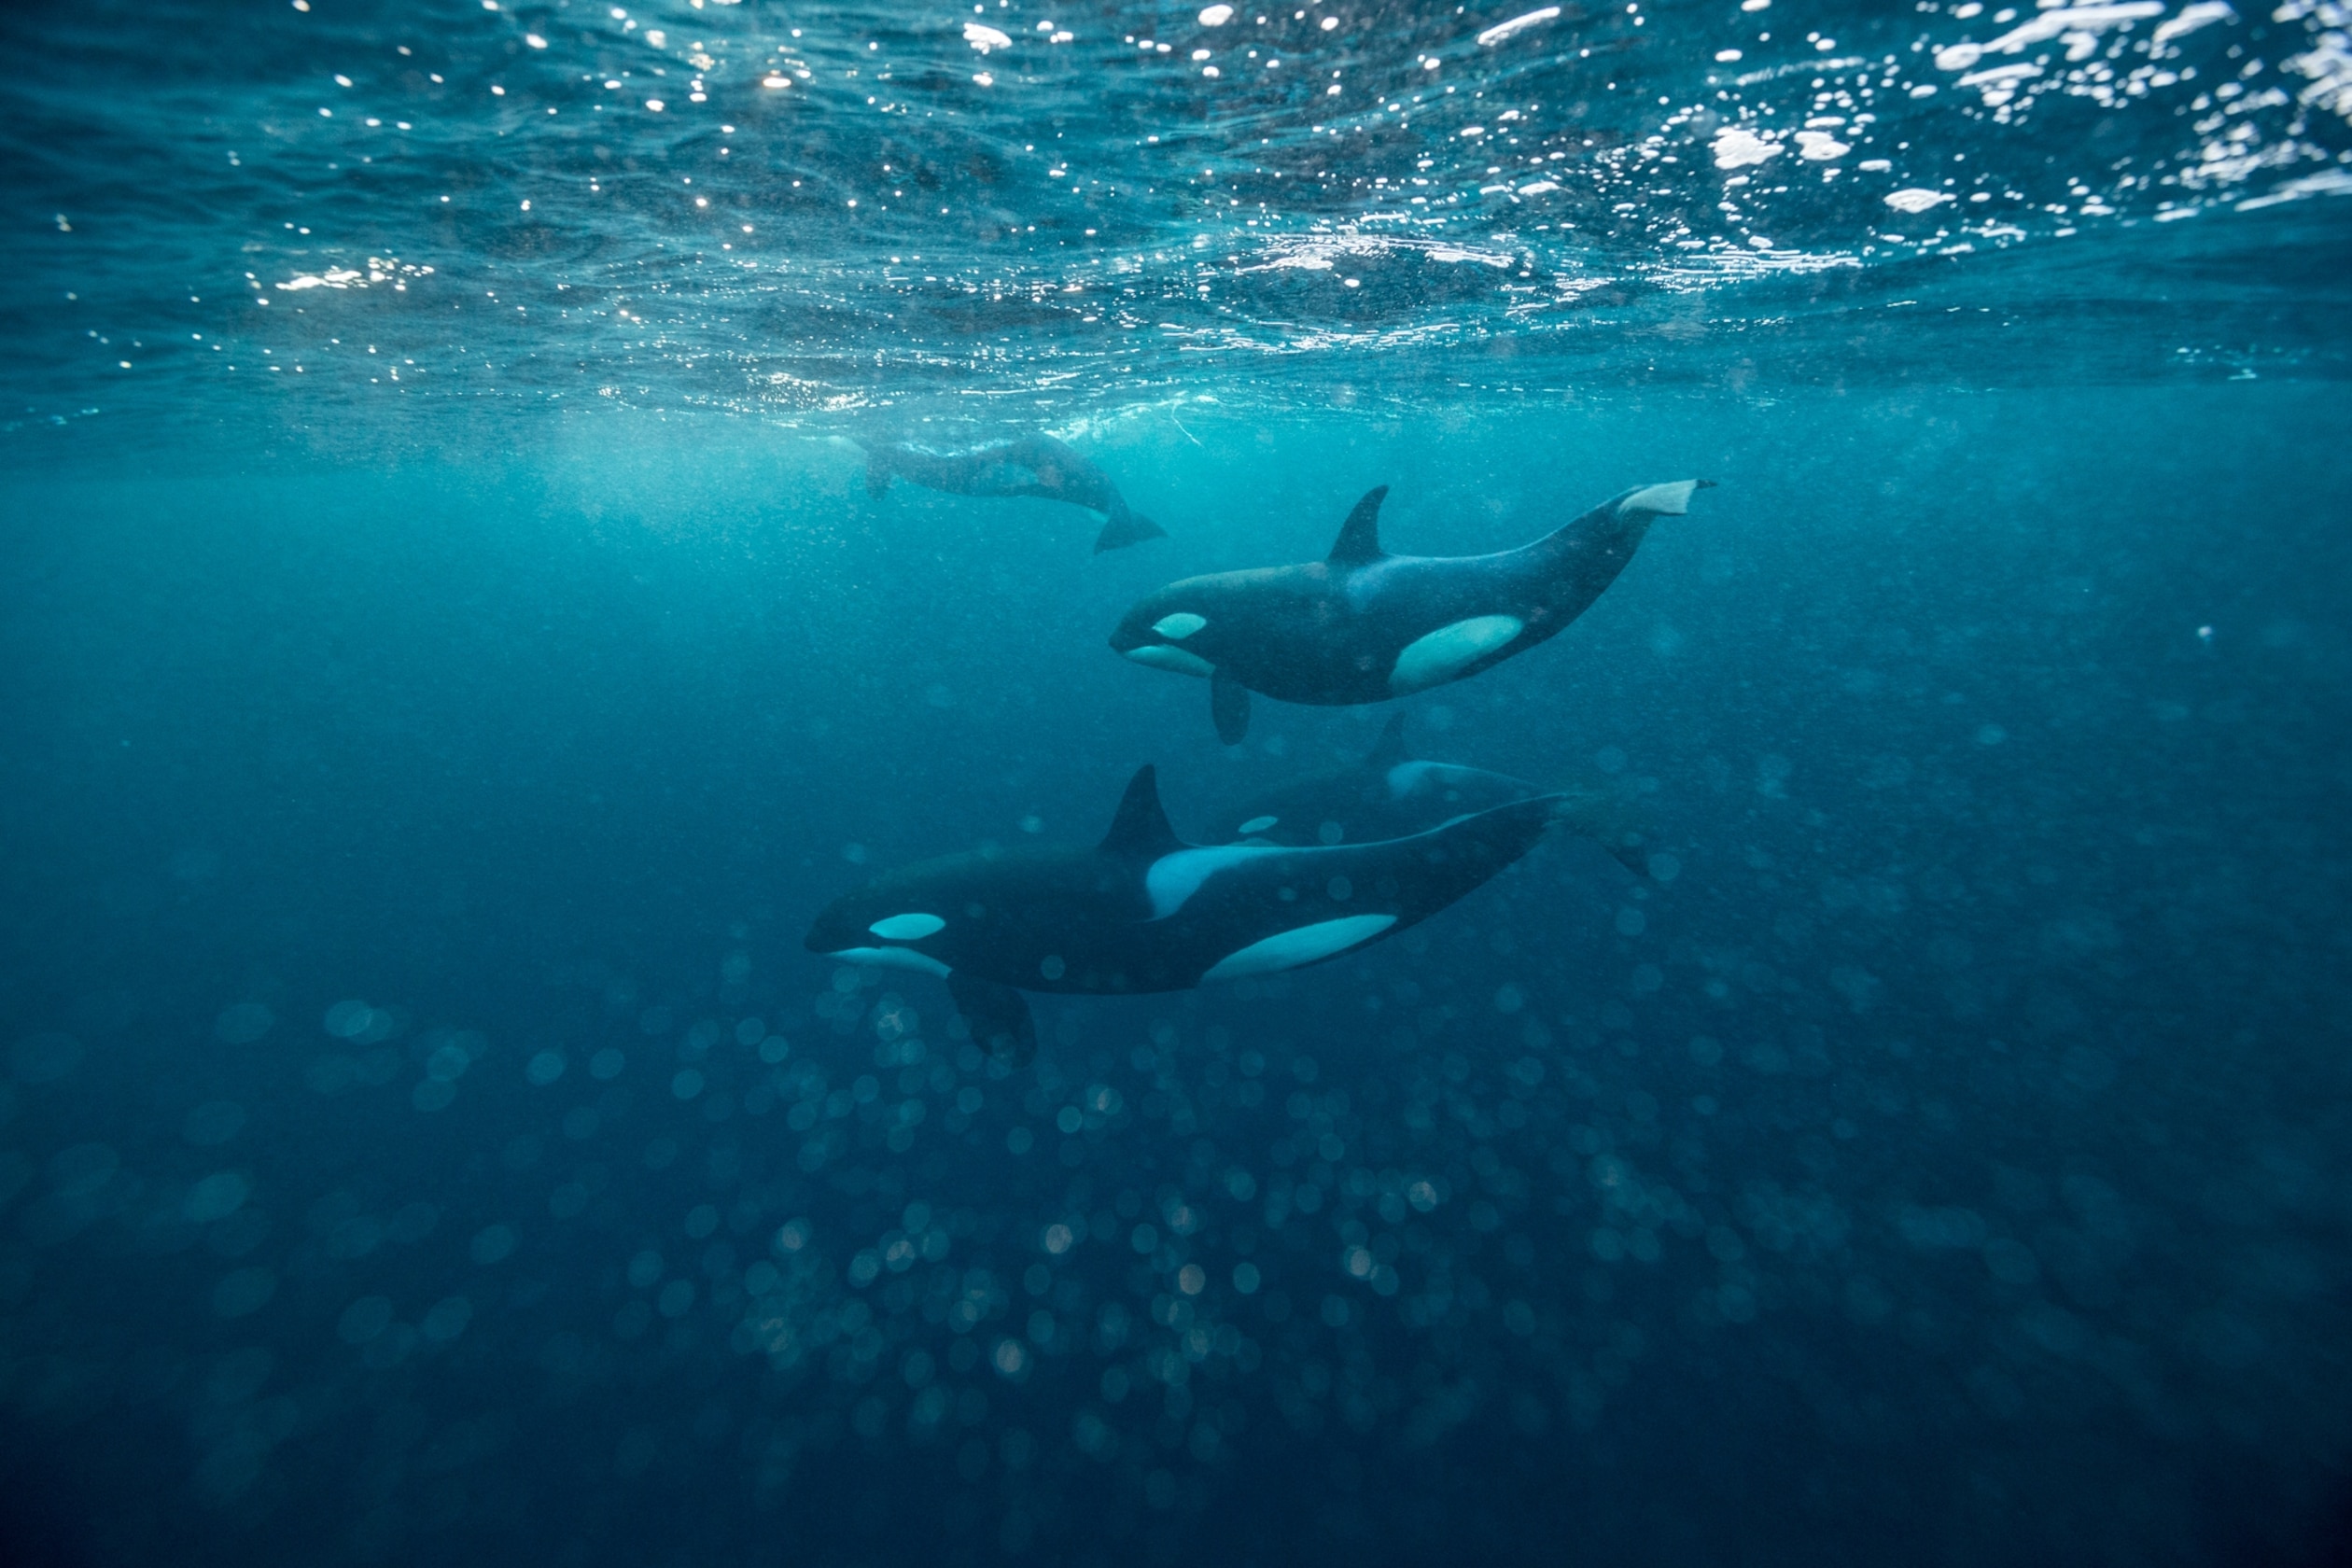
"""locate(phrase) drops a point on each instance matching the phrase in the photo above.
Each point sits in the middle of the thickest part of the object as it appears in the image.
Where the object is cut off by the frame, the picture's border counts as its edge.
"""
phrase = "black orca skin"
(1145, 911)
(1032, 464)
(1365, 627)
(1392, 794)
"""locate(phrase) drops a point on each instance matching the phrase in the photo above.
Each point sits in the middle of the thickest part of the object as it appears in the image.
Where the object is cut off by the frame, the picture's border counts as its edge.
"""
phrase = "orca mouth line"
(1160, 655)
(890, 957)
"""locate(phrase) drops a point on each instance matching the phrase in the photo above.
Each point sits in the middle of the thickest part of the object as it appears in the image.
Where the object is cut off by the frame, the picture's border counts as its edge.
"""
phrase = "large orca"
(1145, 911)
(1031, 464)
(1362, 625)
(1392, 794)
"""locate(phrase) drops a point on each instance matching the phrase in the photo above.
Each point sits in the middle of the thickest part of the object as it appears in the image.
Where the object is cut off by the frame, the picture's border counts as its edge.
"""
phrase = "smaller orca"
(1363, 626)
(1031, 464)
(1392, 794)
(1145, 911)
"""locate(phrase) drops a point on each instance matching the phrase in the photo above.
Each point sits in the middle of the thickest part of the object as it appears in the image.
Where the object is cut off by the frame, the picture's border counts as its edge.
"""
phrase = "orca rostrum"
(1145, 911)
(1031, 464)
(1363, 626)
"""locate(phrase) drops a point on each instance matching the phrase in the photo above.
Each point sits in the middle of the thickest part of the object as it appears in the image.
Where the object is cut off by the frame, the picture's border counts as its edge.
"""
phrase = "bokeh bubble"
(213, 1123)
(45, 1057)
(243, 1023)
(243, 1292)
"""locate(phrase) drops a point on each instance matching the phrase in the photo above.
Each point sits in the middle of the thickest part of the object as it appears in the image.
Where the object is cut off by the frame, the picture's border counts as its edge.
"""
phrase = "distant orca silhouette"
(1145, 911)
(1392, 794)
(1032, 464)
(1363, 626)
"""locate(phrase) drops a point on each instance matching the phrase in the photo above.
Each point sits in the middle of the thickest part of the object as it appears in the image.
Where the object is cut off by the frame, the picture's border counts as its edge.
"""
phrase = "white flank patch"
(1291, 948)
(1178, 626)
(1444, 653)
(891, 958)
(911, 927)
(1159, 655)
(1259, 824)
(1665, 500)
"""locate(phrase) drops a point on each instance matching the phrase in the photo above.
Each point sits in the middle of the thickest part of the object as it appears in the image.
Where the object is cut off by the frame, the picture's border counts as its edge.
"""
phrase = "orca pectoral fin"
(1229, 706)
(878, 477)
(998, 1016)
(1124, 528)
(1390, 748)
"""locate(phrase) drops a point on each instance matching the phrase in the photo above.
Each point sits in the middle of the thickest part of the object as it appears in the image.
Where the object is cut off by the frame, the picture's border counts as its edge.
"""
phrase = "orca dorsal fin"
(1389, 749)
(1140, 829)
(1360, 535)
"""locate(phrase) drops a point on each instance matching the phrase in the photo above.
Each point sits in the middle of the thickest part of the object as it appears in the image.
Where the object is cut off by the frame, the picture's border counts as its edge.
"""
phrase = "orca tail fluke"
(1229, 707)
(877, 476)
(1124, 527)
(998, 1015)
(1611, 821)
(1672, 500)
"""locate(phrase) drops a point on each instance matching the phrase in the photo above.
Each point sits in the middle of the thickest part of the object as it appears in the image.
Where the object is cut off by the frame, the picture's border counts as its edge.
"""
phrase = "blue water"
(450, 656)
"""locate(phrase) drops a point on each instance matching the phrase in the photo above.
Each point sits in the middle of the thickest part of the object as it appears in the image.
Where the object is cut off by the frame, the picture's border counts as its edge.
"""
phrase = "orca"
(1392, 794)
(1364, 627)
(1145, 911)
(1031, 465)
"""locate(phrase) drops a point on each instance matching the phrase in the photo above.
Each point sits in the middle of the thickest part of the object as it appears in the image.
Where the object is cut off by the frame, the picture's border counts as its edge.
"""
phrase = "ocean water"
(449, 654)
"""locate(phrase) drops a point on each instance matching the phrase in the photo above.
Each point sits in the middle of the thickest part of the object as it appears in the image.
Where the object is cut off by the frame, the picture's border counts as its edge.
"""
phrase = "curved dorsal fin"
(1140, 829)
(1360, 535)
(1389, 749)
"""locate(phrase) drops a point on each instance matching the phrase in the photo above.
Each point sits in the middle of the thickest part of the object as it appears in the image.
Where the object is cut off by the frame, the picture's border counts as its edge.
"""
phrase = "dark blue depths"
(426, 1138)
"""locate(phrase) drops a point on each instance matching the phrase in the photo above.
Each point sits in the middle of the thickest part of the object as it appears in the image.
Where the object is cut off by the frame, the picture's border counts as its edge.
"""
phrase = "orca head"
(887, 925)
(1175, 629)
(1454, 790)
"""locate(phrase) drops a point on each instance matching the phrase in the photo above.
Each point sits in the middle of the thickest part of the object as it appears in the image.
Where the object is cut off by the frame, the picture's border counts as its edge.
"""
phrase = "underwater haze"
(451, 653)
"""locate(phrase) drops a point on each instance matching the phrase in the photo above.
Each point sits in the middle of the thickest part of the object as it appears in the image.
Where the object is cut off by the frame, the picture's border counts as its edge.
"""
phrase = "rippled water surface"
(785, 212)
(453, 651)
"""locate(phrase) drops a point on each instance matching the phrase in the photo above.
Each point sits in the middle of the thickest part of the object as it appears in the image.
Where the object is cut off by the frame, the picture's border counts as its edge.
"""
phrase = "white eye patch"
(1179, 625)
(911, 927)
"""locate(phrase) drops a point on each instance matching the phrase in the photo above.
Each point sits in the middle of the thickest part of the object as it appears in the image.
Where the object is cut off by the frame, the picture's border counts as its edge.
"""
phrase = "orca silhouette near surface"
(1362, 626)
(1033, 465)
(1145, 911)
(1392, 794)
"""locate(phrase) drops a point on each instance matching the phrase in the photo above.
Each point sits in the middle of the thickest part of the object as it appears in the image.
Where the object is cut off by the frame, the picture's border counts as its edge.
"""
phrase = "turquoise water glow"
(452, 655)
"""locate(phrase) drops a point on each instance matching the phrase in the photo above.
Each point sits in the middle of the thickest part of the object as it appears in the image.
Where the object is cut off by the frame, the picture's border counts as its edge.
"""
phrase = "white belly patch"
(1446, 652)
(1303, 946)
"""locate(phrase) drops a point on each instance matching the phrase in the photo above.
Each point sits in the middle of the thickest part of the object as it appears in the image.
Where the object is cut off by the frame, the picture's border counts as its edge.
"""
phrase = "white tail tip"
(1665, 500)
